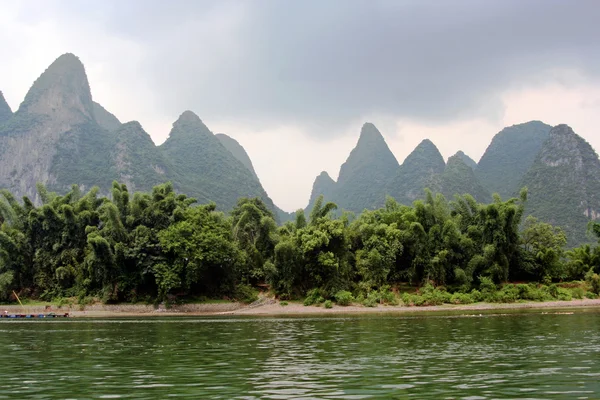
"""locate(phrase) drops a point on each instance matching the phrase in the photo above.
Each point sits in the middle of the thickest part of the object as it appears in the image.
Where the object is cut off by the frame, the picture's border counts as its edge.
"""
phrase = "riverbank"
(274, 308)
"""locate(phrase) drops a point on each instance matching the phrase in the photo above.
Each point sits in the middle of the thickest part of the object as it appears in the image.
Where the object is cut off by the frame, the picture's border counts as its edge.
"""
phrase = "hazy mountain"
(508, 157)
(60, 136)
(5, 111)
(137, 161)
(364, 176)
(466, 159)
(105, 119)
(52, 120)
(323, 185)
(204, 168)
(417, 172)
(238, 151)
(564, 183)
(459, 178)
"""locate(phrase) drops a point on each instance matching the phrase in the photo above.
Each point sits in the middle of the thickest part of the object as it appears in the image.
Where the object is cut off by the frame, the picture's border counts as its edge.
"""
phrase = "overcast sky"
(293, 81)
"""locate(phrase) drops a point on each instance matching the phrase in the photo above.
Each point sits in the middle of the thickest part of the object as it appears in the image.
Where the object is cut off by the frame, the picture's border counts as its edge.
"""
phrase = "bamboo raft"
(37, 316)
(6, 315)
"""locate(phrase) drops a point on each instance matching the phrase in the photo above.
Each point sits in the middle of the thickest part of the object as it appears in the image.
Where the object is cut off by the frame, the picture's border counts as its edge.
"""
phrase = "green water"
(530, 356)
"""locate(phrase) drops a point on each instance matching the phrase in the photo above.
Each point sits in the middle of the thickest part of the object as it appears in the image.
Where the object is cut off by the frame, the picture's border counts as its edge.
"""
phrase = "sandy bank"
(274, 308)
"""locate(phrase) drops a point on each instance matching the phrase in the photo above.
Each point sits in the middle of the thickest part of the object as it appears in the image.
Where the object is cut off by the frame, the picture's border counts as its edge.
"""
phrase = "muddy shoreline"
(274, 308)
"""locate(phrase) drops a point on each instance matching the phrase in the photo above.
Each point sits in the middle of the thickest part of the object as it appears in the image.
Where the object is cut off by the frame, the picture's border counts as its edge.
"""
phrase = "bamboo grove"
(161, 245)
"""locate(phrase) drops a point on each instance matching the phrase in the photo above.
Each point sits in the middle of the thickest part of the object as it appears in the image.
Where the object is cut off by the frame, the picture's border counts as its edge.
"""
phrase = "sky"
(293, 81)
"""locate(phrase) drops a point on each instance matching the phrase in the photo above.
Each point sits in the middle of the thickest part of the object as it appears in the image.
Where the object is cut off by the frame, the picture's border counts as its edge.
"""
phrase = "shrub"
(508, 294)
(433, 296)
(476, 295)
(328, 304)
(577, 293)
(486, 285)
(246, 293)
(343, 298)
(370, 301)
(594, 280)
(461, 298)
(564, 294)
(283, 303)
(313, 297)
(591, 295)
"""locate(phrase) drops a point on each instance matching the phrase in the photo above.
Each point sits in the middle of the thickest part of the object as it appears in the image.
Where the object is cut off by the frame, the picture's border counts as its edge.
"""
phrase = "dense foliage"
(161, 245)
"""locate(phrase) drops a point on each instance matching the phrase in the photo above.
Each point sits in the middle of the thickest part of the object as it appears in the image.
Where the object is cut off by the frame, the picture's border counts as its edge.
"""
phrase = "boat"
(42, 315)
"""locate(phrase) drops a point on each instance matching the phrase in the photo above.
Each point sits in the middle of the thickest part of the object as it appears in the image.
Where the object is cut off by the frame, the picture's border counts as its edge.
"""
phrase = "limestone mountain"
(238, 151)
(137, 161)
(466, 159)
(5, 111)
(418, 171)
(323, 185)
(56, 115)
(459, 178)
(364, 176)
(508, 157)
(104, 118)
(564, 183)
(204, 168)
(59, 136)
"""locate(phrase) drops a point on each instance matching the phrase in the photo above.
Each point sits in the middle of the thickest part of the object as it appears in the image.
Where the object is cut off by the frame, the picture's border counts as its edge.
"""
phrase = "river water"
(525, 356)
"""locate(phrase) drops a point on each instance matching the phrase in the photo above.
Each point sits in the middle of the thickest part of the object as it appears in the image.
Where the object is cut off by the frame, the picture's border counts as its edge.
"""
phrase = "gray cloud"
(326, 63)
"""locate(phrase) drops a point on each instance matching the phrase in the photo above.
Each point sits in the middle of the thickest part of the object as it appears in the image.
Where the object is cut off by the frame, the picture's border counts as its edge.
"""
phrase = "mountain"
(5, 111)
(240, 154)
(466, 159)
(204, 168)
(459, 178)
(564, 183)
(105, 119)
(364, 176)
(238, 151)
(323, 185)
(138, 162)
(54, 121)
(59, 136)
(508, 157)
(417, 172)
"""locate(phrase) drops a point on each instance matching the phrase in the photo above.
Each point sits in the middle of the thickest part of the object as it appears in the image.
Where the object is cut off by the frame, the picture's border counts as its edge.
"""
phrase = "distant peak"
(324, 175)
(370, 132)
(132, 124)
(562, 129)
(188, 125)
(62, 89)
(188, 116)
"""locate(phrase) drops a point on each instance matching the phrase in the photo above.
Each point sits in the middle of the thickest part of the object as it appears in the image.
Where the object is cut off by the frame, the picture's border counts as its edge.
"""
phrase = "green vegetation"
(159, 246)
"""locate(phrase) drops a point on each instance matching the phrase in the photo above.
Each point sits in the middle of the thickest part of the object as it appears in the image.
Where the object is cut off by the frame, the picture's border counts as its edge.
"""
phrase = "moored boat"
(39, 315)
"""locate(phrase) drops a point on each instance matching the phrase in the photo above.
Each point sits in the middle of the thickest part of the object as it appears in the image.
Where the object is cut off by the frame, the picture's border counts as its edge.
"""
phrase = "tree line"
(161, 245)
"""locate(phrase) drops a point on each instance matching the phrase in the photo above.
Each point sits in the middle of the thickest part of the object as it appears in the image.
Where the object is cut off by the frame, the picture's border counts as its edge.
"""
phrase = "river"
(490, 356)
